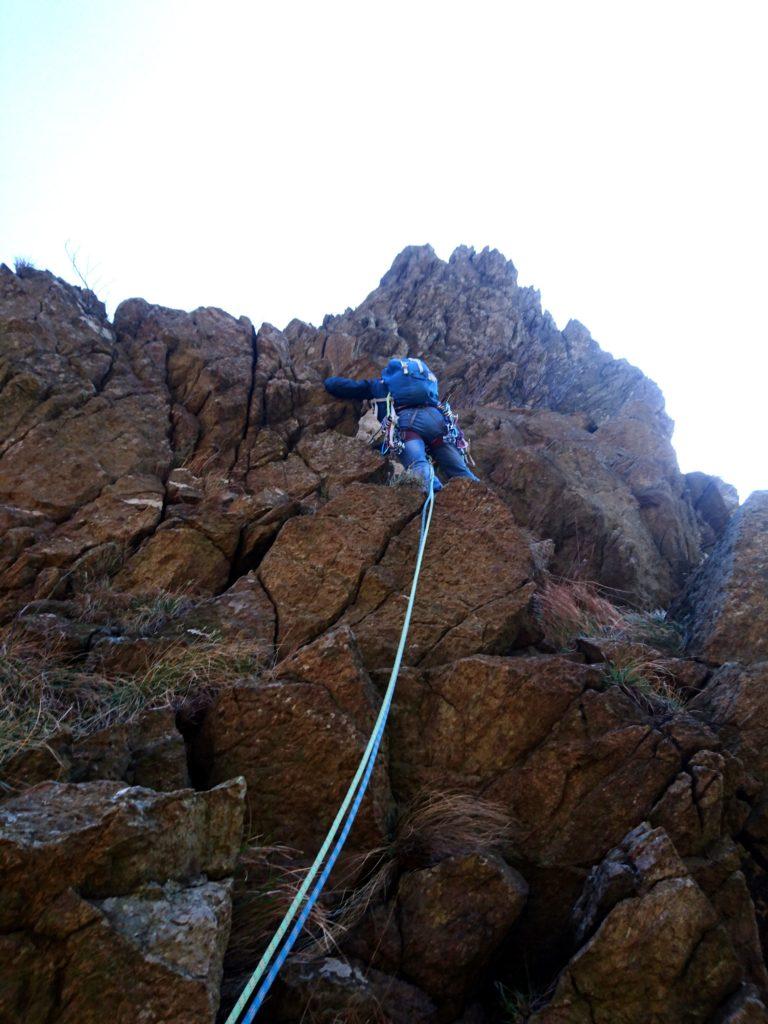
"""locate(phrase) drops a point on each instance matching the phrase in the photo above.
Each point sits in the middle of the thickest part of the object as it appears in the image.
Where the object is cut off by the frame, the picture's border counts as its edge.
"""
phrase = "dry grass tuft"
(443, 824)
(134, 615)
(267, 883)
(434, 827)
(42, 691)
(30, 679)
(571, 608)
(568, 609)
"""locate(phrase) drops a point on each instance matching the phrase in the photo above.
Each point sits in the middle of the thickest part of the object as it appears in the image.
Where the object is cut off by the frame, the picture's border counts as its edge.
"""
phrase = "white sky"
(273, 158)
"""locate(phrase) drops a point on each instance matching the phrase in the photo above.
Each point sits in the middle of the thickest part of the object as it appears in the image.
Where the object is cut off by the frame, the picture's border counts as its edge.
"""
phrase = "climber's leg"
(414, 458)
(431, 427)
(451, 461)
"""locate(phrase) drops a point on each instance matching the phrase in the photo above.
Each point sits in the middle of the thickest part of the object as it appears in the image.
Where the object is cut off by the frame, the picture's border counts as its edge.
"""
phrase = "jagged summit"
(203, 573)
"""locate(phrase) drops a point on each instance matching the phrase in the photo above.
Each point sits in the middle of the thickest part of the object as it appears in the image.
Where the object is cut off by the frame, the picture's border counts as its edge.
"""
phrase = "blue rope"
(369, 759)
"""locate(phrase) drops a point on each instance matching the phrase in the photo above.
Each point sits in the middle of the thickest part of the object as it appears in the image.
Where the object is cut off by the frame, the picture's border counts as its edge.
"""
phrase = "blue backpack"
(410, 382)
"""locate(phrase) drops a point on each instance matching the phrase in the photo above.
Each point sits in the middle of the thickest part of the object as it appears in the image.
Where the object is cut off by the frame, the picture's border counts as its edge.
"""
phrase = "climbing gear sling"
(264, 974)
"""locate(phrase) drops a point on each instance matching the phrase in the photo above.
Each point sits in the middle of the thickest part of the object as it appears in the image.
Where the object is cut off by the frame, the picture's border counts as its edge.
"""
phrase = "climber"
(418, 423)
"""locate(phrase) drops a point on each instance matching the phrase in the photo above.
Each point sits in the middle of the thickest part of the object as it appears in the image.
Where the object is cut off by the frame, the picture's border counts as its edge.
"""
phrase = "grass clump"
(30, 712)
(654, 629)
(21, 263)
(132, 615)
(517, 1005)
(567, 609)
(406, 478)
(646, 683)
(442, 824)
(42, 691)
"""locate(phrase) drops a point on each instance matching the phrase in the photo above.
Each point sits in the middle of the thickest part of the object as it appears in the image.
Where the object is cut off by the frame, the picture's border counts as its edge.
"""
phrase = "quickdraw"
(454, 434)
(391, 440)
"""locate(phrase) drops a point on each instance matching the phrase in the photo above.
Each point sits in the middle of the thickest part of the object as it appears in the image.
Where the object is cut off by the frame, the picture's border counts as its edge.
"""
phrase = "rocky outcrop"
(714, 502)
(83, 444)
(725, 606)
(655, 947)
(177, 444)
(149, 752)
(103, 884)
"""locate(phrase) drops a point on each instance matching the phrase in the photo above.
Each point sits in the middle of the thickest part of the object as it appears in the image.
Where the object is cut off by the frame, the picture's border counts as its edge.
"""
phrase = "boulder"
(176, 558)
(339, 460)
(653, 947)
(745, 1007)
(452, 918)
(333, 989)
(242, 612)
(103, 884)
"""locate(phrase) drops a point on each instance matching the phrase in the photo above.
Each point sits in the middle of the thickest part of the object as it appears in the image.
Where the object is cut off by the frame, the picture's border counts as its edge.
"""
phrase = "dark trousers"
(429, 425)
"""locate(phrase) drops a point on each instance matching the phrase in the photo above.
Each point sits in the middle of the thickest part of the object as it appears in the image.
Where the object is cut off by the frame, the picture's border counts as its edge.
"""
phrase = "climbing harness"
(264, 975)
(390, 437)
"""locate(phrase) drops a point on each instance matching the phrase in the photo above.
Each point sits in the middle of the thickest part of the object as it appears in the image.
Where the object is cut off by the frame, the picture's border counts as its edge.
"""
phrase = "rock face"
(103, 884)
(362, 546)
(725, 605)
(98, 417)
(204, 569)
(297, 740)
(656, 949)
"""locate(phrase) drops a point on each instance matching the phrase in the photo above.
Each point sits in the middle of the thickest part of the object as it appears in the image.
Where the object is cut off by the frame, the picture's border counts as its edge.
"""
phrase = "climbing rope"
(264, 973)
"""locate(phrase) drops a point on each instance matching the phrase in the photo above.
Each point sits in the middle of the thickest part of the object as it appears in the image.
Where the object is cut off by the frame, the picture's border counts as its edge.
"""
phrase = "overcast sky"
(273, 158)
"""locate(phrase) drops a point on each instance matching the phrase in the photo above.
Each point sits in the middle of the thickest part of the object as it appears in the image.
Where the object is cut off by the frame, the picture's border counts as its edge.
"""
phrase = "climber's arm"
(358, 390)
